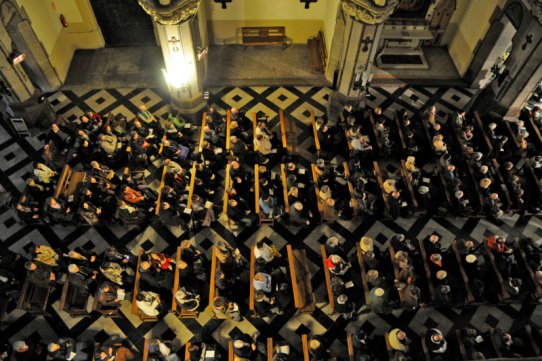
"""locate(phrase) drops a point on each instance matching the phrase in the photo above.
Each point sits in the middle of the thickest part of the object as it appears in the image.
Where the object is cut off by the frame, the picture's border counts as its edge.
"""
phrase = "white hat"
(19, 345)
(423, 190)
(366, 244)
(441, 275)
(470, 258)
(379, 292)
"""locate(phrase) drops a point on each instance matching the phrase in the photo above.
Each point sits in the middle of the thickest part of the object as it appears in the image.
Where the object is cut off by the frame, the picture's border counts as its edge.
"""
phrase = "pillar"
(178, 42)
(362, 31)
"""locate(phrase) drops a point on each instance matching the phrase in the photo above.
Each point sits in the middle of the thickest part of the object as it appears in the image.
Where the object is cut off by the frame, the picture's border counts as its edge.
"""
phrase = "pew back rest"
(264, 35)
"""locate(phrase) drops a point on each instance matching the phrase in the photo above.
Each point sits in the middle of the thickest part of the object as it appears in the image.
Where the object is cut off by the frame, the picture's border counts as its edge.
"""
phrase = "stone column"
(360, 42)
(177, 41)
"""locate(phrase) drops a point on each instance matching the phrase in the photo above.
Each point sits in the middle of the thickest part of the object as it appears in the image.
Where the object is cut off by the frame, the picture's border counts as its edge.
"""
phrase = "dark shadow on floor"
(138, 67)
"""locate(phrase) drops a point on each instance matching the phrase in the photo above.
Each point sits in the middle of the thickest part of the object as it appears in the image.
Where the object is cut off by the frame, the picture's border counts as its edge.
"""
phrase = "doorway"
(124, 23)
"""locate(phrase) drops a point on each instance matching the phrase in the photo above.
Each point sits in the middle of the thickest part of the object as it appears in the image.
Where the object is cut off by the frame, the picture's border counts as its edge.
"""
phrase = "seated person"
(67, 349)
(337, 265)
(81, 276)
(266, 306)
(45, 255)
(268, 206)
(108, 295)
(26, 350)
(245, 346)
(223, 308)
(113, 352)
(44, 174)
(149, 303)
(39, 275)
(57, 210)
(435, 342)
(187, 299)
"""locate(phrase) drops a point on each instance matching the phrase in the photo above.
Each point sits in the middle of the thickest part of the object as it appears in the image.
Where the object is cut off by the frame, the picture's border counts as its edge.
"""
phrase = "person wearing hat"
(298, 215)
(317, 349)
(389, 186)
(330, 213)
(402, 260)
(443, 295)
(466, 246)
(435, 342)
(366, 244)
(266, 306)
(400, 243)
(435, 263)
(398, 340)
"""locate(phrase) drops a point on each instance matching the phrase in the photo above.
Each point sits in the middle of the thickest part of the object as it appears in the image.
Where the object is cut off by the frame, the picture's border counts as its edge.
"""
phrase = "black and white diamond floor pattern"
(16, 156)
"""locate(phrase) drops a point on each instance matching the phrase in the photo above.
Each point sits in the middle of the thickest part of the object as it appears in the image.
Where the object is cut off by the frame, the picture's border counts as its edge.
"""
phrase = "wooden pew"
(503, 296)
(444, 186)
(69, 183)
(315, 133)
(400, 131)
(203, 123)
(264, 35)
(407, 180)
(301, 280)
(537, 289)
(283, 129)
(270, 350)
(533, 129)
(213, 292)
(317, 190)
(226, 186)
(254, 126)
(187, 351)
(284, 188)
(305, 343)
(425, 349)
(159, 190)
(531, 341)
(137, 287)
(464, 277)
(395, 269)
(353, 198)
(363, 273)
(161, 148)
(427, 271)
(261, 216)
(481, 130)
(33, 298)
(462, 348)
(381, 184)
(193, 173)
(318, 53)
(231, 356)
(327, 275)
(146, 350)
(504, 189)
(175, 309)
(69, 292)
(350, 345)
(495, 343)
(228, 130)
(251, 280)
(348, 144)
(378, 143)
(112, 312)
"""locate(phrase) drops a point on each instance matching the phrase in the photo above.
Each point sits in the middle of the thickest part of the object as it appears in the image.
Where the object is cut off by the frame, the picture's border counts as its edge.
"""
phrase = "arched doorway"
(124, 23)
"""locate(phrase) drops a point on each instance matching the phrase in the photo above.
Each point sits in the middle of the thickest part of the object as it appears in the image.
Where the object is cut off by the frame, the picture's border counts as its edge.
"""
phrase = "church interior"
(271, 180)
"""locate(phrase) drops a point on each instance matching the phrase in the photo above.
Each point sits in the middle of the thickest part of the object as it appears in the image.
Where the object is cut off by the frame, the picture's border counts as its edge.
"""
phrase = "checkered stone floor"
(16, 156)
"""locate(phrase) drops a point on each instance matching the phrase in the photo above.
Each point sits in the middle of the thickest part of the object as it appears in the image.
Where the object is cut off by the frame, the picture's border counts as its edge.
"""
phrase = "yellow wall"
(224, 24)
(472, 26)
(330, 19)
(60, 43)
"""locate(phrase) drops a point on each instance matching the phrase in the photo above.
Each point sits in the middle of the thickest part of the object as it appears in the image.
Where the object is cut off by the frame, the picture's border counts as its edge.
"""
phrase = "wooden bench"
(495, 343)
(283, 129)
(350, 346)
(137, 287)
(161, 148)
(261, 216)
(533, 129)
(69, 293)
(318, 52)
(228, 130)
(284, 188)
(175, 309)
(364, 281)
(270, 351)
(159, 190)
(252, 273)
(264, 35)
(353, 199)
(531, 341)
(464, 277)
(462, 348)
(481, 130)
(317, 191)
(381, 184)
(378, 149)
(395, 268)
(301, 280)
(231, 356)
(69, 183)
(400, 132)
(33, 298)
(146, 350)
(193, 172)
(315, 134)
(537, 289)
(503, 296)
(305, 344)
(202, 134)
(227, 181)
(327, 275)
(444, 186)
(408, 182)
(105, 311)
(427, 271)
(425, 350)
(187, 351)
(495, 167)
(213, 290)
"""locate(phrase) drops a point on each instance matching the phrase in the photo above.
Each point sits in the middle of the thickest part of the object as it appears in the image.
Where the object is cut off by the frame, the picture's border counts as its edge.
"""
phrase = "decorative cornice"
(536, 9)
(176, 12)
(370, 11)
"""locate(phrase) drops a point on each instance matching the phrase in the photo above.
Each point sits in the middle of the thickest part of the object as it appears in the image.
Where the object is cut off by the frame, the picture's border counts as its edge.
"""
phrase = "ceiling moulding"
(370, 11)
(170, 12)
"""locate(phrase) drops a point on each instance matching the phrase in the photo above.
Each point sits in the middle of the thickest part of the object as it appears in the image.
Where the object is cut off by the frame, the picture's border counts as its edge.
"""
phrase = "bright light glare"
(177, 77)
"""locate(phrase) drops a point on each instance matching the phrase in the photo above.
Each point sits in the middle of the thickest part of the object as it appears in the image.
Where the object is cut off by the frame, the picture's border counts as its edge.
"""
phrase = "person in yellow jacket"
(398, 340)
(45, 255)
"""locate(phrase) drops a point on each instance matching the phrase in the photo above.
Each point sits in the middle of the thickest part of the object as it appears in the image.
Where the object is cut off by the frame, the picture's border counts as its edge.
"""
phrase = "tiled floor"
(297, 102)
